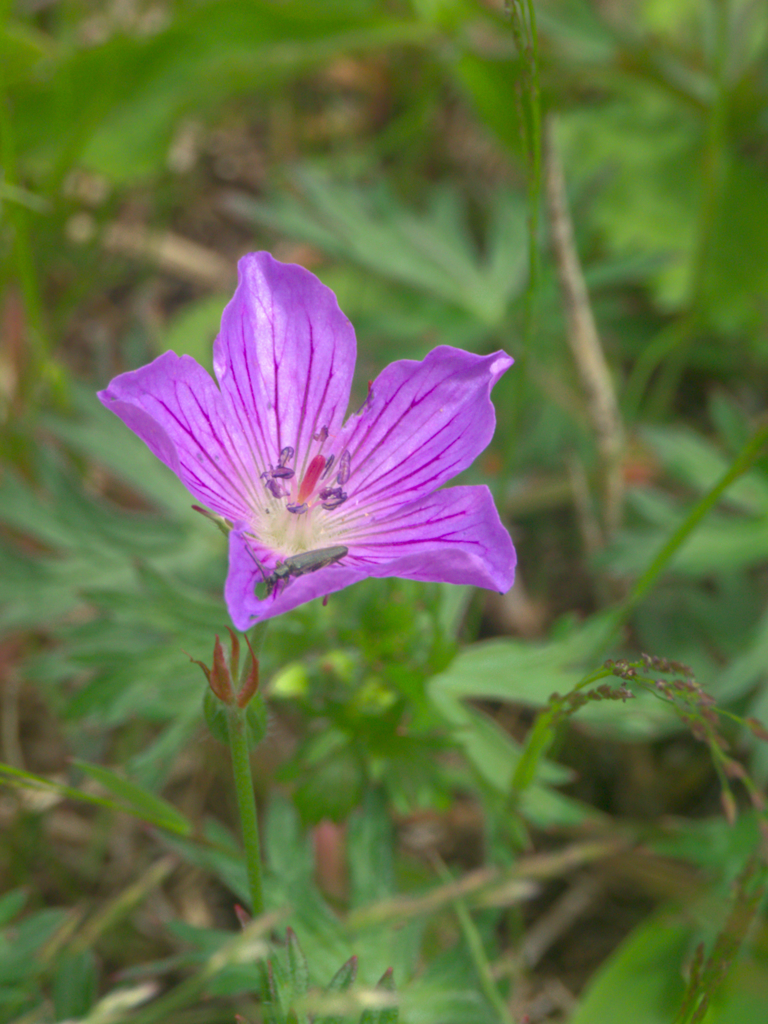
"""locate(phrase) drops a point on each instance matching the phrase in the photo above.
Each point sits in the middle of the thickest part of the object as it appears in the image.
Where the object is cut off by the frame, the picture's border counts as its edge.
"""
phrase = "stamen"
(285, 455)
(332, 497)
(328, 465)
(275, 488)
(308, 484)
(298, 507)
(283, 472)
(321, 435)
(345, 468)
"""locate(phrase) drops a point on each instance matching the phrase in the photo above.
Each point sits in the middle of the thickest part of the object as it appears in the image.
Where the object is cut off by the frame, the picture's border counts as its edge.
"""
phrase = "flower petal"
(454, 536)
(421, 425)
(284, 359)
(245, 609)
(177, 410)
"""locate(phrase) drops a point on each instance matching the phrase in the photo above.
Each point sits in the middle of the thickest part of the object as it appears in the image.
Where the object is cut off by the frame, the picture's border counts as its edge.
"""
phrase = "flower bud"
(222, 677)
(223, 698)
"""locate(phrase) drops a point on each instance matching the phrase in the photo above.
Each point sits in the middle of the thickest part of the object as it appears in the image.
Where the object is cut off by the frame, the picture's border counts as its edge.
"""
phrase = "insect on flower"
(299, 565)
(311, 502)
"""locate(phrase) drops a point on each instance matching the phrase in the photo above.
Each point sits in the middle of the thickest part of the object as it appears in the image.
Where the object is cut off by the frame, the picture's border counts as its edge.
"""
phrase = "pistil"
(311, 477)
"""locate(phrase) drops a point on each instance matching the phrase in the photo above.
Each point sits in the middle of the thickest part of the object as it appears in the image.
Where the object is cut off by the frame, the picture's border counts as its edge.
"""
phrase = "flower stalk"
(234, 720)
(241, 769)
(246, 804)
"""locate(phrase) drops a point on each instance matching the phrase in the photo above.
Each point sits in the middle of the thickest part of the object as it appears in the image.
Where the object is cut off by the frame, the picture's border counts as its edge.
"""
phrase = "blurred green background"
(582, 183)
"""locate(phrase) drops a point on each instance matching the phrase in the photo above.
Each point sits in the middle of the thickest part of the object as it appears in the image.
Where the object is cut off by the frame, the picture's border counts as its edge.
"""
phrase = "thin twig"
(589, 527)
(10, 729)
(171, 253)
(564, 913)
(489, 886)
(584, 341)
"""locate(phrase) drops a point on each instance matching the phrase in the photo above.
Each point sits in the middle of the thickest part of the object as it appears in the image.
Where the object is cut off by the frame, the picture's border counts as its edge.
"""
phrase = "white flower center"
(297, 514)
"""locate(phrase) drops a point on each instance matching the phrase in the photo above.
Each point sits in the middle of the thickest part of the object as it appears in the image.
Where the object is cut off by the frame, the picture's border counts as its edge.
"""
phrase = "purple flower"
(268, 449)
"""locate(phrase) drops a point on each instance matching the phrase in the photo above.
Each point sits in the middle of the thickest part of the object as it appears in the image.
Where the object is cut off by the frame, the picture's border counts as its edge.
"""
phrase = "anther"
(332, 497)
(321, 435)
(345, 467)
(275, 488)
(298, 507)
(283, 472)
(285, 455)
(329, 463)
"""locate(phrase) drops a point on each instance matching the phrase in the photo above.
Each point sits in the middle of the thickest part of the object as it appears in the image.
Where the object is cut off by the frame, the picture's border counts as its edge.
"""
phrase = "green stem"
(246, 803)
(646, 581)
(714, 174)
(474, 943)
(523, 17)
(241, 768)
(540, 737)
(18, 217)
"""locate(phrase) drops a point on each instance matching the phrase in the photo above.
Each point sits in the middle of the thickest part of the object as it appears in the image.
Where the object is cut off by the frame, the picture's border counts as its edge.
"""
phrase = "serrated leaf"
(529, 673)
(387, 1014)
(279, 989)
(340, 982)
(298, 972)
(370, 845)
(431, 251)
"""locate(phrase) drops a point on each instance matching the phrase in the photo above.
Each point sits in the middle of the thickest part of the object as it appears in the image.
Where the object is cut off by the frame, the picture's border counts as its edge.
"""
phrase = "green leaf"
(744, 996)
(123, 97)
(221, 855)
(387, 1015)
(489, 83)
(432, 251)
(11, 904)
(20, 957)
(340, 982)
(694, 460)
(21, 48)
(718, 545)
(98, 434)
(371, 841)
(344, 977)
(642, 982)
(332, 788)
(75, 985)
(528, 673)
(145, 805)
(298, 973)
(279, 989)
(173, 822)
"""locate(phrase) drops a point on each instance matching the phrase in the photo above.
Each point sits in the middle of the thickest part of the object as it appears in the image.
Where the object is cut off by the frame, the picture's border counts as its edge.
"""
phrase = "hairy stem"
(241, 768)
(246, 803)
